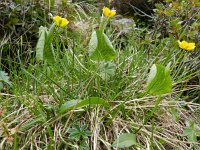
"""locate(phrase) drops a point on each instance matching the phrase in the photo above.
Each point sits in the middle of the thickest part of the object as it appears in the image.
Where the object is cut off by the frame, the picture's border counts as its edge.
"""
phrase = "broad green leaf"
(191, 134)
(159, 80)
(41, 43)
(100, 47)
(81, 103)
(125, 140)
(107, 70)
(93, 42)
(167, 68)
(4, 77)
(48, 48)
(44, 47)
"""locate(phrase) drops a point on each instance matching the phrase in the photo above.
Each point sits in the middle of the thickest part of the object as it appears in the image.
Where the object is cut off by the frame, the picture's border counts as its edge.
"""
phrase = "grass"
(29, 111)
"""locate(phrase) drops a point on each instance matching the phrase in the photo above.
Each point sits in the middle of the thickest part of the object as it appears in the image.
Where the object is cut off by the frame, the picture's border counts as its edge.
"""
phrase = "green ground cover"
(85, 80)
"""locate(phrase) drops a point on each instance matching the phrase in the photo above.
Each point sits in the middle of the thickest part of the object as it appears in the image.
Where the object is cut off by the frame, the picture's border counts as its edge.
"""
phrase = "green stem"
(154, 109)
(152, 132)
(103, 24)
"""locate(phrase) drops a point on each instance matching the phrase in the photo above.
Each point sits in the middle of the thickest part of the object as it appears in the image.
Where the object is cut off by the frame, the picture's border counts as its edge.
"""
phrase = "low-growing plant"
(108, 92)
(178, 19)
(4, 79)
(80, 134)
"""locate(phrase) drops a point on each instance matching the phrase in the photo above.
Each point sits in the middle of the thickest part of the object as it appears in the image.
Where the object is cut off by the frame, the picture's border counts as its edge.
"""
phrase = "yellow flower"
(62, 22)
(108, 13)
(186, 46)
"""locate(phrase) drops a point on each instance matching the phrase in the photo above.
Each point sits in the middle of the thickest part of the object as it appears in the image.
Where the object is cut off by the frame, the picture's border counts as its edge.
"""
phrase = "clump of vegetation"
(96, 88)
(178, 19)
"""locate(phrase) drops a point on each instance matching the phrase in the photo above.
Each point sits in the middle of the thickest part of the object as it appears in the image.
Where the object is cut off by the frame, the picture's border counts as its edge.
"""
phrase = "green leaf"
(48, 48)
(44, 47)
(4, 77)
(125, 140)
(191, 134)
(159, 80)
(107, 70)
(100, 47)
(93, 42)
(41, 43)
(31, 123)
(79, 132)
(192, 131)
(69, 105)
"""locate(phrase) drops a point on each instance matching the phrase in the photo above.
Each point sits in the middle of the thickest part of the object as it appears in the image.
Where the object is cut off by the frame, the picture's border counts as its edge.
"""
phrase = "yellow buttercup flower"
(62, 22)
(186, 46)
(108, 13)
(57, 20)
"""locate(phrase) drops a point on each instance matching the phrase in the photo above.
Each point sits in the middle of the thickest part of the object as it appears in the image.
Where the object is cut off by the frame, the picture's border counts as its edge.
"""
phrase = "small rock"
(125, 25)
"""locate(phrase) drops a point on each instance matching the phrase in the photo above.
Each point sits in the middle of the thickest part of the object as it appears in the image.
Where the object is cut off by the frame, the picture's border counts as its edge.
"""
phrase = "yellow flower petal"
(186, 46)
(64, 22)
(57, 20)
(108, 13)
(183, 45)
(191, 46)
(112, 13)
